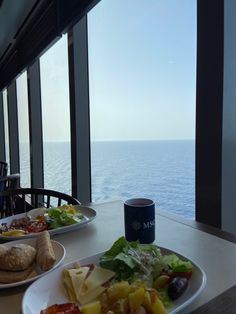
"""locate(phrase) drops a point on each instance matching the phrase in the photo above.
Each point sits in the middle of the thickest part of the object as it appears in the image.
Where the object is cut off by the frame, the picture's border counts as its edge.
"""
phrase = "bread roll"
(3, 250)
(15, 276)
(18, 257)
(45, 258)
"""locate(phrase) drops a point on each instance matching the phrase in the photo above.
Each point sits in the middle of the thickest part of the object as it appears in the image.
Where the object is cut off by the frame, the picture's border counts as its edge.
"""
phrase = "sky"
(142, 73)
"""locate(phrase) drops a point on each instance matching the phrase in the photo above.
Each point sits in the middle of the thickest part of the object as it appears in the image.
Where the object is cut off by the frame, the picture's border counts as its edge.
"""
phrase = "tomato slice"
(37, 226)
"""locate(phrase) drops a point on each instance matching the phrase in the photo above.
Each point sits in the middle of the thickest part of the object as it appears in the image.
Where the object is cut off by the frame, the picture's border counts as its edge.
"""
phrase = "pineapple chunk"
(91, 308)
(147, 301)
(136, 298)
(157, 307)
(119, 290)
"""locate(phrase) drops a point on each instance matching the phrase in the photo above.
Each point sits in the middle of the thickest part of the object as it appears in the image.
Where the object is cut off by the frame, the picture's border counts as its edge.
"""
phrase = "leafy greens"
(132, 260)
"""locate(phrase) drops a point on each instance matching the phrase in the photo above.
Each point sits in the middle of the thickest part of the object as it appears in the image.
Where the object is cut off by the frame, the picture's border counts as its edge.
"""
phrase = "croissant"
(45, 257)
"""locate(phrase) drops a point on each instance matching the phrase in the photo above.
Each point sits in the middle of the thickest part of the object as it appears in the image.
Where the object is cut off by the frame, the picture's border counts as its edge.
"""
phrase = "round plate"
(59, 251)
(49, 290)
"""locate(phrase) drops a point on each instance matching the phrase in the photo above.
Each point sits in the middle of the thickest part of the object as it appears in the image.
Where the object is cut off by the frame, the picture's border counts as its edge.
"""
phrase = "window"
(142, 97)
(55, 117)
(23, 123)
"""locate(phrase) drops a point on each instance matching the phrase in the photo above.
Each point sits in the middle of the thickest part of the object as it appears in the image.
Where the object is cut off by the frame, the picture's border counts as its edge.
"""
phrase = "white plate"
(49, 290)
(59, 251)
(89, 215)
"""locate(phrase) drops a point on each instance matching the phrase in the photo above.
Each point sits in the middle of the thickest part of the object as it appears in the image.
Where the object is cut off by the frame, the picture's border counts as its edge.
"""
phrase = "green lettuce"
(132, 260)
(176, 264)
(58, 217)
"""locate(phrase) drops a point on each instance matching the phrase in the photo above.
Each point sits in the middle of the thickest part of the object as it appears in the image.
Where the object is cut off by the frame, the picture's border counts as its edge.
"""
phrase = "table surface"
(216, 256)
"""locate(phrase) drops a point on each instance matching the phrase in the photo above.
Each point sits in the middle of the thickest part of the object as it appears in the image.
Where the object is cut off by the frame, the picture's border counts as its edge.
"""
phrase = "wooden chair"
(3, 168)
(21, 200)
(8, 183)
(11, 181)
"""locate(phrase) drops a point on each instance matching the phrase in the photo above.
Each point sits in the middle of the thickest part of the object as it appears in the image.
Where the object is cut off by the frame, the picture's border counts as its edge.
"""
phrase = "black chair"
(3, 168)
(8, 183)
(21, 200)
(11, 181)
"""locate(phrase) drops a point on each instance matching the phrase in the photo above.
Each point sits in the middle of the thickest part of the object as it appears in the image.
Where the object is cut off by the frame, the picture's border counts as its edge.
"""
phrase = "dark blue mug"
(139, 219)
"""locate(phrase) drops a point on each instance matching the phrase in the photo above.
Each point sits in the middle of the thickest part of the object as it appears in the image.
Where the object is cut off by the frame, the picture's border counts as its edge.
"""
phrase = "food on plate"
(3, 250)
(7, 276)
(130, 278)
(45, 255)
(134, 261)
(43, 219)
(18, 257)
(13, 233)
(67, 308)
(176, 287)
(19, 261)
(84, 284)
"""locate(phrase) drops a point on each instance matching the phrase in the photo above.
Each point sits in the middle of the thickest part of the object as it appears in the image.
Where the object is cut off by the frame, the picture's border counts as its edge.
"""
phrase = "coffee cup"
(139, 220)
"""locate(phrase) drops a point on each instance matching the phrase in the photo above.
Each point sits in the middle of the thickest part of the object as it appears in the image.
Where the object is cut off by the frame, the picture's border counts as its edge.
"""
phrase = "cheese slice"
(98, 277)
(77, 278)
(91, 295)
(69, 289)
(85, 285)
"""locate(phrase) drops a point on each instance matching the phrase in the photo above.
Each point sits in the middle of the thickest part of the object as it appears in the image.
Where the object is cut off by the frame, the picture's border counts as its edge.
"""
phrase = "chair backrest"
(3, 168)
(10, 182)
(33, 198)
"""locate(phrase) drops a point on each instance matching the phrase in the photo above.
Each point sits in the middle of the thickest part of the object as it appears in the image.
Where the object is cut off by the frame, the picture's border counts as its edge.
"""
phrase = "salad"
(130, 278)
(133, 262)
(43, 219)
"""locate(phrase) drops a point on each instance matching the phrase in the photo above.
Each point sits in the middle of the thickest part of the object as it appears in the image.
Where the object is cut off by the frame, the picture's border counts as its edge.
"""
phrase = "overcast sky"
(142, 63)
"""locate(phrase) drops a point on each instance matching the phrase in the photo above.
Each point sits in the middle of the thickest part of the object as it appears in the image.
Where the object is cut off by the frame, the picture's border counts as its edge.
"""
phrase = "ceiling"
(12, 16)
(29, 27)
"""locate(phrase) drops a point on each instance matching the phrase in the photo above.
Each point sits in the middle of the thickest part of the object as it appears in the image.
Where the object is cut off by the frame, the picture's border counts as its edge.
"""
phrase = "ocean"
(163, 171)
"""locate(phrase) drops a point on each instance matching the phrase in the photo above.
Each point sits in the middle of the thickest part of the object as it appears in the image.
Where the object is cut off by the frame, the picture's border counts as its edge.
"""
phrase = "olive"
(176, 287)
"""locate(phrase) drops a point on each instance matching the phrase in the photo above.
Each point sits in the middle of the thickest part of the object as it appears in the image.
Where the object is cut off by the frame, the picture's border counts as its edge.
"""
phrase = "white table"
(215, 255)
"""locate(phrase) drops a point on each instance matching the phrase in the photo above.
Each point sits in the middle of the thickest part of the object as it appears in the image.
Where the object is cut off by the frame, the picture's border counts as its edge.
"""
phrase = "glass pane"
(55, 116)
(142, 63)
(5, 109)
(23, 123)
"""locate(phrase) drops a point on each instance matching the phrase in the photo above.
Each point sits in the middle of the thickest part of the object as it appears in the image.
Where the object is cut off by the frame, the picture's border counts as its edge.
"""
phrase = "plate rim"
(59, 230)
(30, 280)
(96, 255)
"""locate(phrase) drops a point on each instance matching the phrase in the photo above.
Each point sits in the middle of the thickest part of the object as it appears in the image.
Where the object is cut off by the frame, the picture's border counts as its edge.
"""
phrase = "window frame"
(209, 105)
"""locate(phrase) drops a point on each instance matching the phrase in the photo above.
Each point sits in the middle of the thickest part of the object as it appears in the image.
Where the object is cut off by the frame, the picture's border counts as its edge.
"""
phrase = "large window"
(23, 123)
(55, 117)
(142, 62)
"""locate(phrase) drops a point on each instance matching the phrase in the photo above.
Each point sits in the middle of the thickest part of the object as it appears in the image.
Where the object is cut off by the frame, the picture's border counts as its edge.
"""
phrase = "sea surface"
(161, 170)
